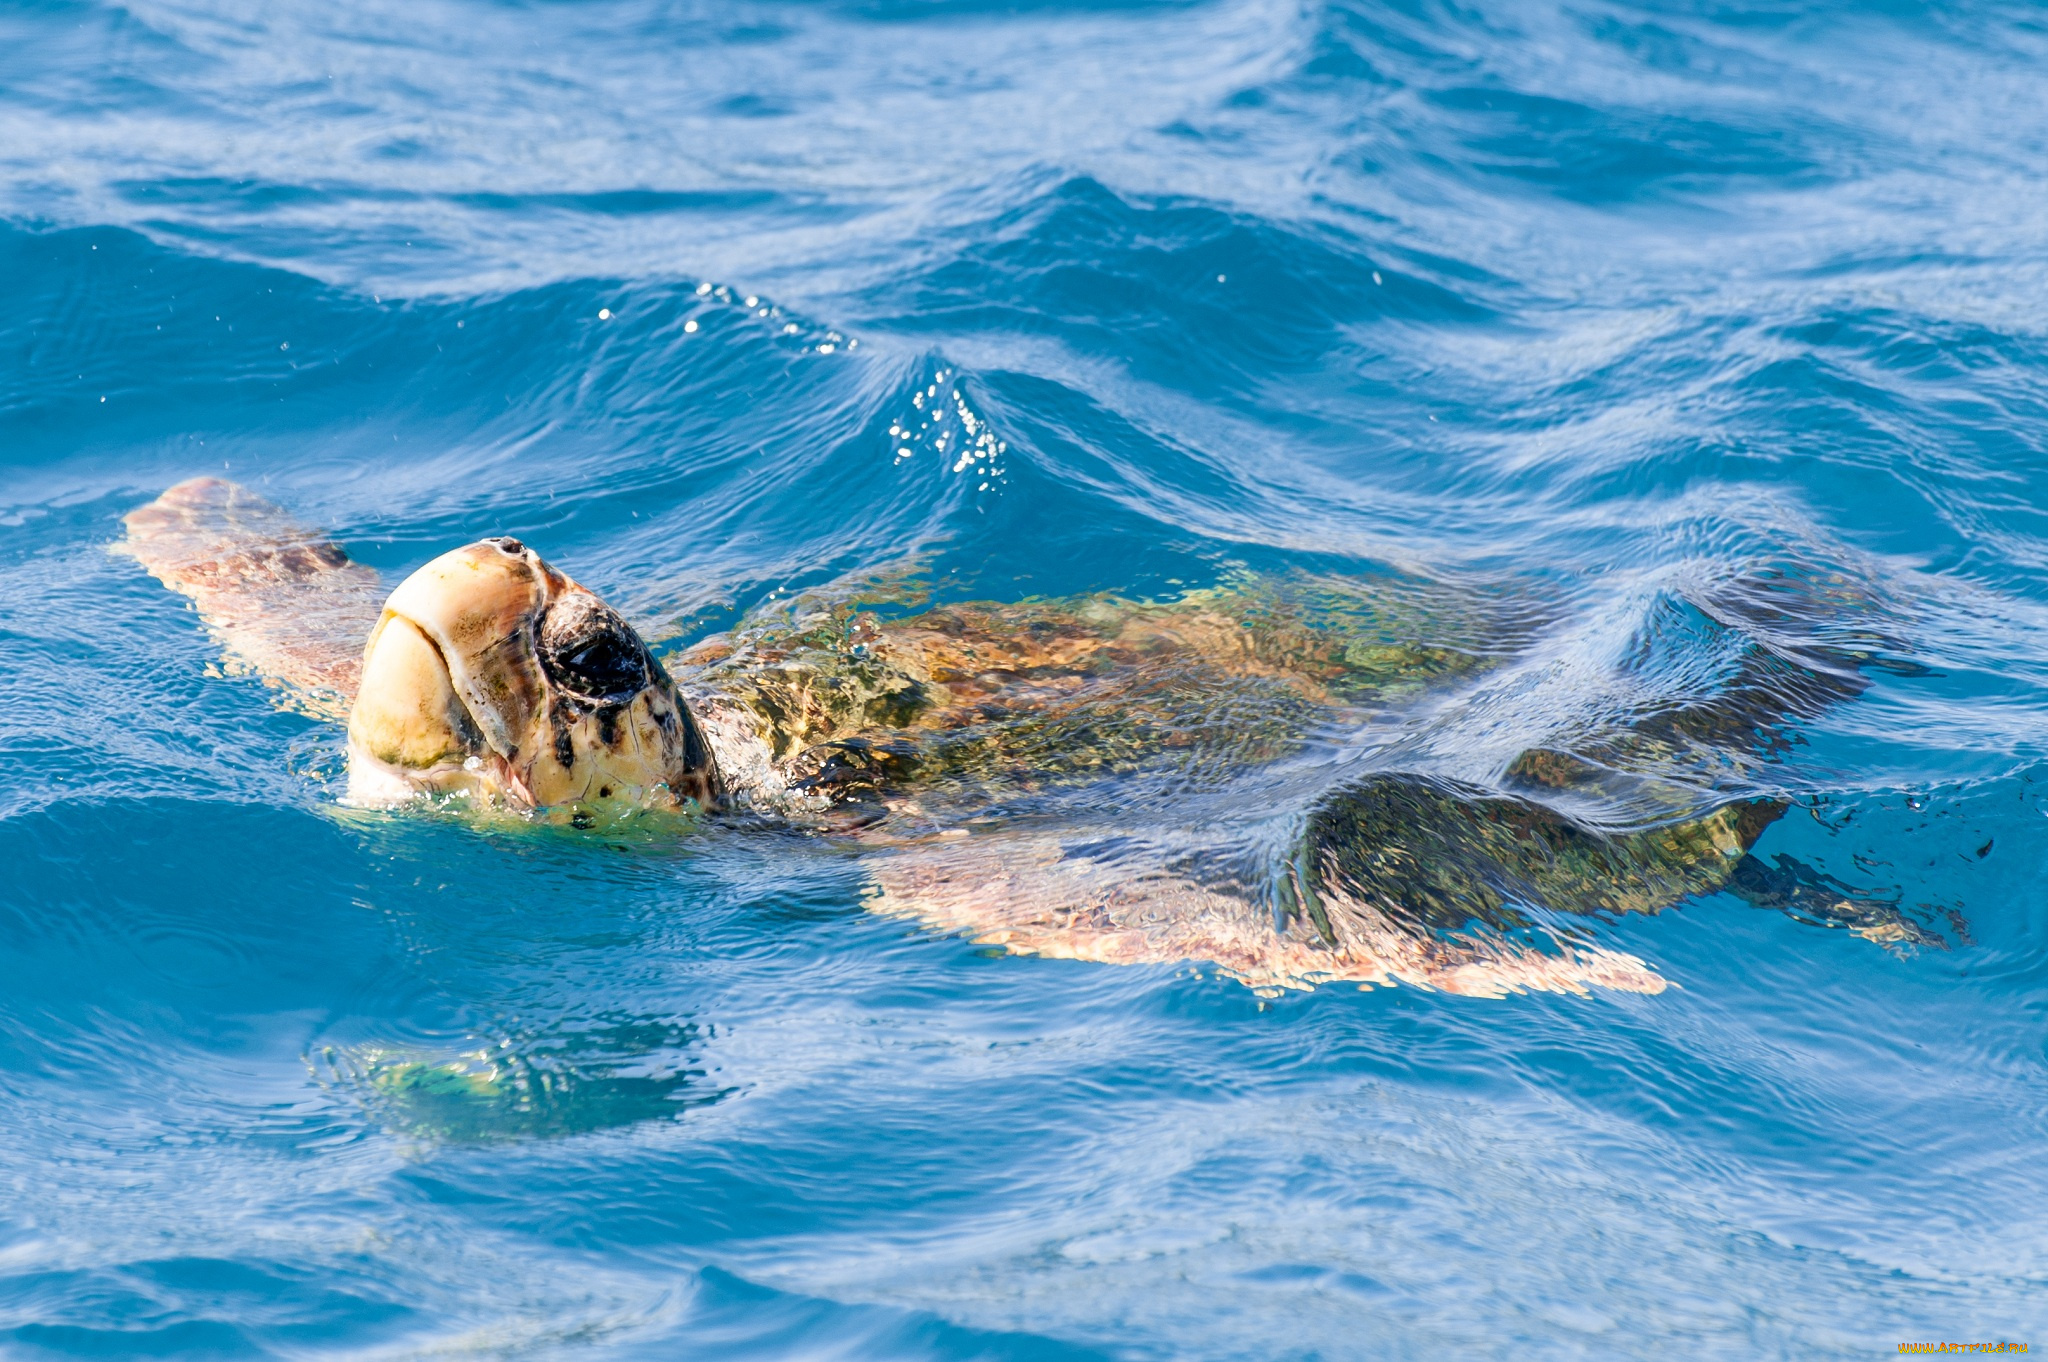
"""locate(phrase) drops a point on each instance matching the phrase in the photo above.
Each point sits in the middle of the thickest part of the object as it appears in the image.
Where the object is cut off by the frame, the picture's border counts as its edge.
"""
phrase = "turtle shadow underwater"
(1298, 779)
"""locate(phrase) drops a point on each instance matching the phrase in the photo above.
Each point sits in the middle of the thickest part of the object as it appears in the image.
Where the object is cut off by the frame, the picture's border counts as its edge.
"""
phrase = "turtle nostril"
(509, 546)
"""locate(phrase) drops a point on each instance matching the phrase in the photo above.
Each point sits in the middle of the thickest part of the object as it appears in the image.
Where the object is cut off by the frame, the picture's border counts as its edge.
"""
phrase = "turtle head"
(493, 673)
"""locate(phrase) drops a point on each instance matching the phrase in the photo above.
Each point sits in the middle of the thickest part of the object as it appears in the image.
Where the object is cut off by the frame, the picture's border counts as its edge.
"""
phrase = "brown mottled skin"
(972, 747)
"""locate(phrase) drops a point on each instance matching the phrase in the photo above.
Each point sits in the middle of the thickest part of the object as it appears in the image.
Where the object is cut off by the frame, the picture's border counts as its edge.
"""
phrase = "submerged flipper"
(1065, 898)
(1791, 887)
(284, 601)
(1436, 858)
(1443, 857)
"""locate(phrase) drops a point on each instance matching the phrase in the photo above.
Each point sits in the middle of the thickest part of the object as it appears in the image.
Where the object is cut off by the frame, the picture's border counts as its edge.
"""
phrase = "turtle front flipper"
(1126, 900)
(284, 601)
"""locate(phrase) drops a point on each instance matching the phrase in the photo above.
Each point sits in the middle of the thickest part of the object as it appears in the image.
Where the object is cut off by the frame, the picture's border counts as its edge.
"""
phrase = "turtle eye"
(588, 649)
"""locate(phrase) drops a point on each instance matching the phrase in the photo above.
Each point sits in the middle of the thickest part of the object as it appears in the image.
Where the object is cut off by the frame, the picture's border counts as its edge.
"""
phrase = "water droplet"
(690, 325)
(1221, 278)
(604, 314)
(1376, 277)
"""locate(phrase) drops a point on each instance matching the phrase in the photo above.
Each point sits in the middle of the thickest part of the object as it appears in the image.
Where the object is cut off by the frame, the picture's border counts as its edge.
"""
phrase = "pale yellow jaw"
(407, 716)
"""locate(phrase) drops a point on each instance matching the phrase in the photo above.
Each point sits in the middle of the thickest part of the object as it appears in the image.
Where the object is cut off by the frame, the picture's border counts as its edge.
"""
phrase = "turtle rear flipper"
(1792, 887)
(1443, 856)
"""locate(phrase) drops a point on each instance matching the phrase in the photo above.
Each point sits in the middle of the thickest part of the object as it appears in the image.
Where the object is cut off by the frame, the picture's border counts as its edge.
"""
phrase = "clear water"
(1598, 300)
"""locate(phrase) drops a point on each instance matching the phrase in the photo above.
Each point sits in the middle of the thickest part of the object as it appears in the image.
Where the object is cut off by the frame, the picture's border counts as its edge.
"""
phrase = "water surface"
(1598, 304)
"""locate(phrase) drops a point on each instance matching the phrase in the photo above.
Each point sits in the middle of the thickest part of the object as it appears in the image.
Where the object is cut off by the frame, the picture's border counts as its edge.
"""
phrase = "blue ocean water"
(1595, 301)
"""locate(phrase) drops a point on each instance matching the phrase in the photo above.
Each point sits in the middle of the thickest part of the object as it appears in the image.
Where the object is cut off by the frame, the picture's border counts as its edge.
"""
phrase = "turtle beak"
(450, 670)
(493, 673)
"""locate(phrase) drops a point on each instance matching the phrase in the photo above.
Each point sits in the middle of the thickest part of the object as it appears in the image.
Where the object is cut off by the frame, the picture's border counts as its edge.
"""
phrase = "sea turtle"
(1096, 778)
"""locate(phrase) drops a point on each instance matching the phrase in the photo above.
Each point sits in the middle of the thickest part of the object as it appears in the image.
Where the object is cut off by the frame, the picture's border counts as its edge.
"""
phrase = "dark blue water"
(1600, 302)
